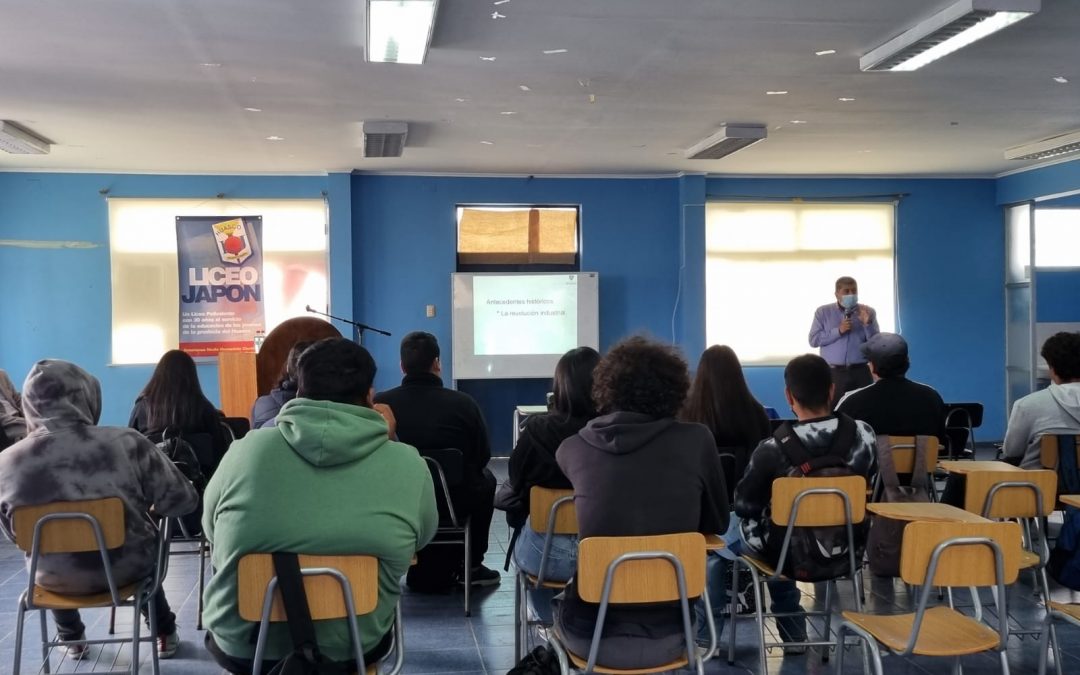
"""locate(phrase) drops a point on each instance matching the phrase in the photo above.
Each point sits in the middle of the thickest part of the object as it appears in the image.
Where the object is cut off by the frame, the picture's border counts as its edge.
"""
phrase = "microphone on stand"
(360, 327)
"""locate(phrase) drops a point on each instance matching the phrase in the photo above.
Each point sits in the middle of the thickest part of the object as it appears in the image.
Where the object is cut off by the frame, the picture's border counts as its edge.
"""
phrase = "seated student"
(720, 399)
(432, 417)
(1054, 410)
(532, 463)
(894, 405)
(326, 479)
(82, 461)
(808, 389)
(173, 400)
(636, 470)
(12, 424)
(266, 407)
(8, 392)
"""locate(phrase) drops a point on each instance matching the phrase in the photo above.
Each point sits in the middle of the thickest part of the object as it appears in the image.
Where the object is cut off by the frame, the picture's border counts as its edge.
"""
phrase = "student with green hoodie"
(325, 480)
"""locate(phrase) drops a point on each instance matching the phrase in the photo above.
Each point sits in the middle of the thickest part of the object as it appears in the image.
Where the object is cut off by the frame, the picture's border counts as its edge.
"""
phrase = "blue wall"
(392, 251)
(56, 302)
(950, 262)
(404, 250)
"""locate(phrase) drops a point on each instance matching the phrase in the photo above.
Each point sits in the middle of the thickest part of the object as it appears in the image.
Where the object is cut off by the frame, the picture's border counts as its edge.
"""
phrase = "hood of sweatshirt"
(59, 395)
(621, 433)
(1068, 397)
(326, 434)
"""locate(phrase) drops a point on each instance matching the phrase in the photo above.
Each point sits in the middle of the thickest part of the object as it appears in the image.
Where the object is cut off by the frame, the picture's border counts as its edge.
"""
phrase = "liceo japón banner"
(221, 285)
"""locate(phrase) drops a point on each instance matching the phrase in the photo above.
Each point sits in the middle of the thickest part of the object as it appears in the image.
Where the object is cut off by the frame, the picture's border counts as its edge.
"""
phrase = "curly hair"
(1062, 353)
(642, 376)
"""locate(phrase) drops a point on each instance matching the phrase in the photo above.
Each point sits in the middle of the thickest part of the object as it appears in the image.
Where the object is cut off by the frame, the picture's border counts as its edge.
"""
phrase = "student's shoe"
(168, 644)
(794, 650)
(79, 650)
(481, 576)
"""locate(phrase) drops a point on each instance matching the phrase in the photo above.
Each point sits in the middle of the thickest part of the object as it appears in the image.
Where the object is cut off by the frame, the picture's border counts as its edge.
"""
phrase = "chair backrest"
(903, 448)
(1017, 496)
(959, 565)
(818, 510)
(239, 426)
(1048, 451)
(541, 499)
(963, 415)
(452, 463)
(641, 581)
(324, 594)
(69, 535)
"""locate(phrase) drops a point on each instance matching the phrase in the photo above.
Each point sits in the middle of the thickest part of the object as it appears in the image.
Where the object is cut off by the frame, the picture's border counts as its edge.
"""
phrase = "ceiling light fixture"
(384, 139)
(399, 31)
(953, 28)
(275, 138)
(253, 109)
(825, 52)
(1061, 79)
(1055, 146)
(775, 93)
(845, 99)
(798, 121)
(18, 140)
(732, 138)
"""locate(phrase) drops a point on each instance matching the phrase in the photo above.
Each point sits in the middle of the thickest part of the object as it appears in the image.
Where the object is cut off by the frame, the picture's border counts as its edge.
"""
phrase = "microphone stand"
(360, 327)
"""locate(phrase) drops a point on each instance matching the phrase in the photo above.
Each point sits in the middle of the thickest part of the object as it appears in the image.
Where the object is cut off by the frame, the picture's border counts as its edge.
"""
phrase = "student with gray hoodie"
(1054, 410)
(67, 457)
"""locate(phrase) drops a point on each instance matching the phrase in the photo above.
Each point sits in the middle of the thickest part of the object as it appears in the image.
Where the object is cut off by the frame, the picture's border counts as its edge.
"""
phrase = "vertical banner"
(221, 288)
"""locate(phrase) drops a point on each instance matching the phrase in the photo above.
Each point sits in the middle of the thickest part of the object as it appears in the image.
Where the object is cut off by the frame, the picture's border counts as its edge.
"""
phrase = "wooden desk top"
(930, 511)
(967, 466)
(1071, 500)
(713, 542)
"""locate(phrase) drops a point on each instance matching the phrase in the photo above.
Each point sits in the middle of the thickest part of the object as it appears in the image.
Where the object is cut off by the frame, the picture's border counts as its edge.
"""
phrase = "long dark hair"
(573, 382)
(173, 397)
(720, 399)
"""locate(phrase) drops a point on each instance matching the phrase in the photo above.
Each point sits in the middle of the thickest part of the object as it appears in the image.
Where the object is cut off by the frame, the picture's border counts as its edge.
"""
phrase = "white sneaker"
(168, 644)
(79, 650)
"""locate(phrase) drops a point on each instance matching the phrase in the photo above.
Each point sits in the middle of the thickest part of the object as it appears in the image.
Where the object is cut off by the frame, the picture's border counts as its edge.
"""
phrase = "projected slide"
(524, 315)
(518, 325)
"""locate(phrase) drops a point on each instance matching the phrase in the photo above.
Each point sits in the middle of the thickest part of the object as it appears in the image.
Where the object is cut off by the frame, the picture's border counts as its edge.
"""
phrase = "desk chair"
(336, 586)
(85, 527)
(1029, 497)
(961, 420)
(949, 555)
(904, 449)
(638, 570)
(556, 509)
(447, 471)
(838, 501)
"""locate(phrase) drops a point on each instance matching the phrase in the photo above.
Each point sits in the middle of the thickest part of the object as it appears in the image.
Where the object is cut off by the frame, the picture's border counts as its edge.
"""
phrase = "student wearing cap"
(894, 405)
(839, 329)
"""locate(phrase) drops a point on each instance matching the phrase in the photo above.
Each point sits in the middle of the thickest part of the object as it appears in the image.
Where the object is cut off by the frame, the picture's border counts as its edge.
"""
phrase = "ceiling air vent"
(384, 139)
(1047, 148)
(730, 139)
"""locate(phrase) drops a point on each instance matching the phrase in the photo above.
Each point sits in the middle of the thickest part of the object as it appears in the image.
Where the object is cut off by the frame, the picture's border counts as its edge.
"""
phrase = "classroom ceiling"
(166, 86)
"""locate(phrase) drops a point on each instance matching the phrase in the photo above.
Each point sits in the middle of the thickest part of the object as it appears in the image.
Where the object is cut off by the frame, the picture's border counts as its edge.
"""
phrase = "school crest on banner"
(221, 285)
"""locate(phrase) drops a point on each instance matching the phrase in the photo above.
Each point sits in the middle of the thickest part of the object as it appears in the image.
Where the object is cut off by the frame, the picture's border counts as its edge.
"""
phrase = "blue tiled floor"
(440, 639)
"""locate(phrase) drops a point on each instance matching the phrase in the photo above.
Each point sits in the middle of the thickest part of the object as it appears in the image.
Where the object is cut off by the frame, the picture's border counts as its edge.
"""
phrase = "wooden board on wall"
(237, 383)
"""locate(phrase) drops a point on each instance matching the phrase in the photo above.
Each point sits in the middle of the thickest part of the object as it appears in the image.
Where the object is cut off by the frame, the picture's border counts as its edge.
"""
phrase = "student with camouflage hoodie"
(66, 457)
(325, 480)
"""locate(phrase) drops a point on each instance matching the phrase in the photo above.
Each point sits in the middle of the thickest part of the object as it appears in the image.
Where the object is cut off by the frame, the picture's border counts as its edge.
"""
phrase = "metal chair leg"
(830, 591)
(20, 616)
(521, 616)
(136, 626)
(733, 613)
(151, 613)
(203, 546)
(44, 639)
(468, 565)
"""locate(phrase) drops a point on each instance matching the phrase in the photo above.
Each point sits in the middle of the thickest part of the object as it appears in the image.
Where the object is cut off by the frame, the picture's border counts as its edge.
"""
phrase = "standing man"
(839, 330)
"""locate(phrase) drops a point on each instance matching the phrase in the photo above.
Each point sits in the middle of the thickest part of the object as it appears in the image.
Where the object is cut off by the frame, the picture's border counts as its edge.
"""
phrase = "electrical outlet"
(429, 311)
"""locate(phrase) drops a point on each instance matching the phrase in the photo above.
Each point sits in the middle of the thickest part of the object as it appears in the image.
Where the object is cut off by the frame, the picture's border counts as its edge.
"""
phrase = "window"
(768, 266)
(517, 238)
(145, 282)
(1057, 237)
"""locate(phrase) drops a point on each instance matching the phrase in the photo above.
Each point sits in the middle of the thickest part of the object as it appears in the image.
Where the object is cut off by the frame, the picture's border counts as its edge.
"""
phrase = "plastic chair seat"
(944, 632)
(1029, 559)
(1069, 609)
(44, 599)
(557, 585)
(579, 662)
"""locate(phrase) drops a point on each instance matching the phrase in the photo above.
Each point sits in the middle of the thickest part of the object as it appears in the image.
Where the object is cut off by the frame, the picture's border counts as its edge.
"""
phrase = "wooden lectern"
(244, 376)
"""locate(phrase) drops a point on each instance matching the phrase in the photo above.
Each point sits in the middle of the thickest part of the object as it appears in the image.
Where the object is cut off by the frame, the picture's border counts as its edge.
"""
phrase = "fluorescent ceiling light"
(18, 140)
(732, 138)
(384, 139)
(1045, 149)
(951, 29)
(399, 31)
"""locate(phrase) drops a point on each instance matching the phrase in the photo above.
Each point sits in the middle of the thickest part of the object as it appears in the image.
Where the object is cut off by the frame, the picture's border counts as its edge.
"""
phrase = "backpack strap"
(921, 475)
(886, 463)
(793, 448)
(297, 612)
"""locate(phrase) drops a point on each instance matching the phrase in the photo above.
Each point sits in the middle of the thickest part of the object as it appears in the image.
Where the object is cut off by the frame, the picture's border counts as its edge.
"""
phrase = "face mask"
(849, 301)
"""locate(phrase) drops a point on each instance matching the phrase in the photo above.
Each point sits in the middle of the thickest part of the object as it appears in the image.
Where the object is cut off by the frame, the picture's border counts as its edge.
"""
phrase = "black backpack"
(183, 455)
(817, 553)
